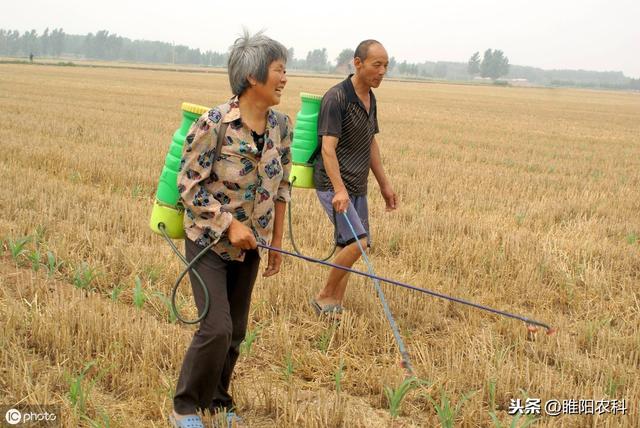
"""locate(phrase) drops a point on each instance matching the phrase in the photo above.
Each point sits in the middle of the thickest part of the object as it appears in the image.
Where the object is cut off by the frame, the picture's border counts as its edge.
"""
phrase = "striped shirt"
(344, 116)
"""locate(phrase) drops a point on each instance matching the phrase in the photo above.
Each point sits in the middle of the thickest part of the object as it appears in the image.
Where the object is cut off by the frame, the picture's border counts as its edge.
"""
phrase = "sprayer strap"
(222, 131)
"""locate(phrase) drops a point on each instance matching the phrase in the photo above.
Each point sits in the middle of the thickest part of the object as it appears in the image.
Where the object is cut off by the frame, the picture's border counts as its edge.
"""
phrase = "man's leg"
(358, 215)
(336, 286)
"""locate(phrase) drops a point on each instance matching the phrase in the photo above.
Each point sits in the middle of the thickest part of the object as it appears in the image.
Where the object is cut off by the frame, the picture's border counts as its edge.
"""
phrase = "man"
(347, 125)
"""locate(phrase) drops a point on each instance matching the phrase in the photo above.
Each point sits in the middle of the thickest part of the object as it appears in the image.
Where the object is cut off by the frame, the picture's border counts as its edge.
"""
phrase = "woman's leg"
(241, 277)
(206, 356)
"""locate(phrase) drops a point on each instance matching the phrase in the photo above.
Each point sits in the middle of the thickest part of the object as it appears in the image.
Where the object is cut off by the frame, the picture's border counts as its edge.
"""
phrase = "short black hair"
(363, 49)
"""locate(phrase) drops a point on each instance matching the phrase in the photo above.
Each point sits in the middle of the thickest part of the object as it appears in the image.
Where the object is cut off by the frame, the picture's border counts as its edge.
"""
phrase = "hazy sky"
(576, 34)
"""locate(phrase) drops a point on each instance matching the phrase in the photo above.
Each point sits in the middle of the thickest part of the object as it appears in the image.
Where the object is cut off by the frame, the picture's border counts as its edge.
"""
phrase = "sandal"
(192, 421)
(330, 309)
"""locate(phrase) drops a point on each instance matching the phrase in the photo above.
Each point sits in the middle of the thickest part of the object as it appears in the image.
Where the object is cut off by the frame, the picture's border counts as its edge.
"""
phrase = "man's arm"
(332, 167)
(390, 197)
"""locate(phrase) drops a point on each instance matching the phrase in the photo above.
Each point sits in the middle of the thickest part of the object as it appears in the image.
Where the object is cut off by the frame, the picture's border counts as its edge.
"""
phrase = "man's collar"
(352, 97)
(350, 90)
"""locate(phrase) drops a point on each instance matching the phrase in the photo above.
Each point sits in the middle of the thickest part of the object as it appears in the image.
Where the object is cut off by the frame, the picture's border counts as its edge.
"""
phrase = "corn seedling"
(338, 375)
(395, 396)
(116, 291)
(34, 256)
(325, 339)
(17, 247)
(137, 191)
(288, 367)
(84, 276)
(529, 419)
(247, 343)
(53, 265)
(613, 384)
(152, 273)
(41, 231)
(171, 315)
(104, 422)
(492, 394)
(447, 414)
(494, 418)
(139, 296)
(78, 394)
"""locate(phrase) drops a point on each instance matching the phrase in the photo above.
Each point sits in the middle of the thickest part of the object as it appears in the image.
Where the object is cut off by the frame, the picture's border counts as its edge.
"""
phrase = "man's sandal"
(330, 309)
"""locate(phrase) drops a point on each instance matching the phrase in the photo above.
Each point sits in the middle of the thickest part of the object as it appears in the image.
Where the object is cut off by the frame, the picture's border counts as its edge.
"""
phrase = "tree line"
(104, 45)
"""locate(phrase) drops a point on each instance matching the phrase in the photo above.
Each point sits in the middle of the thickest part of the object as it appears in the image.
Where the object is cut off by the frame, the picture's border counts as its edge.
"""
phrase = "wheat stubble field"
(526, 200)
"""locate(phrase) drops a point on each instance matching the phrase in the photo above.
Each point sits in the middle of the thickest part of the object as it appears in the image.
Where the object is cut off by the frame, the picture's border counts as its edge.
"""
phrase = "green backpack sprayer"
(167, 209)
(167, 215)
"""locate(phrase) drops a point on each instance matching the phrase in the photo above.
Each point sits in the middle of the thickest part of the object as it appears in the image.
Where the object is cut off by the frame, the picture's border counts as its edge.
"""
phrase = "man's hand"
(340, 201)
(241, 236)
(390, 198)
(273, 267)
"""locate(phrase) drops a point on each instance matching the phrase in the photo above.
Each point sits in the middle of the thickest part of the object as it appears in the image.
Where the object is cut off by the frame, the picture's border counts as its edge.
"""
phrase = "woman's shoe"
(191, 421)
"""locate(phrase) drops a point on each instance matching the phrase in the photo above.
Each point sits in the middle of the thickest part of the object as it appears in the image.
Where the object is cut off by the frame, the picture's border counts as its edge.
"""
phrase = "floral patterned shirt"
(245, 185)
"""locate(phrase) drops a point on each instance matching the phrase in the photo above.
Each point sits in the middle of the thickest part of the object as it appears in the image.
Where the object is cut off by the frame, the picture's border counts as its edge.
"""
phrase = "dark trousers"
(213, 352)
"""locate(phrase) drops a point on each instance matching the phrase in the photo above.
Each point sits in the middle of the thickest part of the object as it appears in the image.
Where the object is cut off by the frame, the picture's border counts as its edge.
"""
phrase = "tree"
(57, 42)
(344, 61)
(44, 42)
(317, 59)
(4, 42)
(473, 66)
(494, 64)
(30, 42)
(345, 57)
(440, 70)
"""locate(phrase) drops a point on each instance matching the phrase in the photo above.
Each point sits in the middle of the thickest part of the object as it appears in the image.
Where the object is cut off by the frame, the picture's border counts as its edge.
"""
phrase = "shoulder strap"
(282, 121)
(222, 131)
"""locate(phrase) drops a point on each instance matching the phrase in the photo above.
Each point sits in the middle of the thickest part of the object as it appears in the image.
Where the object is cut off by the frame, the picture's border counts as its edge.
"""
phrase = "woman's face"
(271, 90)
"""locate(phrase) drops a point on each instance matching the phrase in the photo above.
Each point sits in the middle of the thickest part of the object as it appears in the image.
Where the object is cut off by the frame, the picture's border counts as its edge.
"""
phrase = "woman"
(236, 202)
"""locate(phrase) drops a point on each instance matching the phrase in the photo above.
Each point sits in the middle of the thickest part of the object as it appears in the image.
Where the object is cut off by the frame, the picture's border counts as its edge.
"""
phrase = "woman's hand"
(241, 236)
(273, 267)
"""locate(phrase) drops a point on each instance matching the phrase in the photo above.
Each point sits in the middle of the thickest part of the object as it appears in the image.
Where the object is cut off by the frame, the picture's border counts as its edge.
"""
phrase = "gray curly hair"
(251, 56)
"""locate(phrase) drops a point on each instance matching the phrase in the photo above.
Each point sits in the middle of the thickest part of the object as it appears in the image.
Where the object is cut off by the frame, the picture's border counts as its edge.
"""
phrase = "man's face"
(374, 67)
